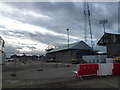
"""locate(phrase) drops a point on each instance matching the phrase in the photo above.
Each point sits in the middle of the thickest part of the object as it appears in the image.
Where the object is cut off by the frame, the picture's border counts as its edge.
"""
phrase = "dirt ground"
(28, 76)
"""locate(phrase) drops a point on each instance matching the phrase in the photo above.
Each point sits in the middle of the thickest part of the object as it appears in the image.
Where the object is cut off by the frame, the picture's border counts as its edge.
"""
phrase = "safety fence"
(116, 70)
(87, 70)
(98, 69)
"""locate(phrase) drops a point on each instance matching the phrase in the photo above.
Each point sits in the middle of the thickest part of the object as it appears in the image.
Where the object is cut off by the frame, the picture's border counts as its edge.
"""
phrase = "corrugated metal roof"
(77, 45)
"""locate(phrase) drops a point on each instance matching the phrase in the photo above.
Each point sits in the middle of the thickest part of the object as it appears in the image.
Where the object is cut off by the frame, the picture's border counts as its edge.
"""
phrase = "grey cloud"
(68, 15)
(36, 36)
(10, 50)
(2, 26)
(31, 47)
(65, 15)
(19, 47)
(15, 34)
(49, 39)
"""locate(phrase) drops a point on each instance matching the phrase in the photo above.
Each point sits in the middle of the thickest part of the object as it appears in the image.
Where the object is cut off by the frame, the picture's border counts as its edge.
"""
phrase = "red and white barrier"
(87, 70)
(98, 69)
(105, 69)
(116, 70)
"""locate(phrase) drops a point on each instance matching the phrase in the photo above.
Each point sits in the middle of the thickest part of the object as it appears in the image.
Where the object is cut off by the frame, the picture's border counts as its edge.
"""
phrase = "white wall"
(95, 58)
(1, 44)
(2, 55)
(110, 60)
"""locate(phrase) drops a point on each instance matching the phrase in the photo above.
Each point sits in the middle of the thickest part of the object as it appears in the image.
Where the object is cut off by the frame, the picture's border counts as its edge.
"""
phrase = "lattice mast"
(87, 19)
(85, 22)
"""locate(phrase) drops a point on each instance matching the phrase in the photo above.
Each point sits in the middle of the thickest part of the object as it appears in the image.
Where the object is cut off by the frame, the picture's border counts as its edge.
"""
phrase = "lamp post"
(68, 37)
(68, 42)
(103, 22)
(56, 59)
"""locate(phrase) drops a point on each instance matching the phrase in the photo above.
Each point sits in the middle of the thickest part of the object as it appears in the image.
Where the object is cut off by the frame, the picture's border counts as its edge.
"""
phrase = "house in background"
(112, 43)
(25, 57)
(72, 54)
(2, 54)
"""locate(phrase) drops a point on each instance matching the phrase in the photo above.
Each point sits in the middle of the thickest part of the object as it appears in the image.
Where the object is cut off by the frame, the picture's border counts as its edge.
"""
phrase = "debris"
(40, 69)
(13, 74)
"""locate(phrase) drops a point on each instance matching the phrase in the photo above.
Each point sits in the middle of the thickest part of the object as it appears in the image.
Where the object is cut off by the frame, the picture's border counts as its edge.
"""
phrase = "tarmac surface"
(29, 76)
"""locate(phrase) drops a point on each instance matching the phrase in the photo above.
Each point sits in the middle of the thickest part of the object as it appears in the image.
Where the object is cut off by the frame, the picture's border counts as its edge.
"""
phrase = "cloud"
(28, 25)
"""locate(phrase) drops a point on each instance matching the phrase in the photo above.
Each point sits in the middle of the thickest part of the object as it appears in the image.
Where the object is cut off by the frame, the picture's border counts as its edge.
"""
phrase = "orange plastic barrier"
(116, 70)
(87, 70)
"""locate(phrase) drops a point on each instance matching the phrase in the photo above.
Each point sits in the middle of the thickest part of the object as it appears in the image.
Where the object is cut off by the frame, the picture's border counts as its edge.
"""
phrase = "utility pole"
(56, 59)
(103, 22)
(68, 37)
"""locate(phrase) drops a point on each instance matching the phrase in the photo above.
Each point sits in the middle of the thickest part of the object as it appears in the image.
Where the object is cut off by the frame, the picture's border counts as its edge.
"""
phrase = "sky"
(30, 27)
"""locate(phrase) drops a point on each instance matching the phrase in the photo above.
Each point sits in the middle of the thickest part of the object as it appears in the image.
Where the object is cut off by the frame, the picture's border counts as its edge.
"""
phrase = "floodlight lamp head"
(67, 29)
(103, 21)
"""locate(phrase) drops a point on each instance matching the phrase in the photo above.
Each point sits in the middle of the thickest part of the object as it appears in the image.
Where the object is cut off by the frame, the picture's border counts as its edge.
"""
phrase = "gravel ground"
(27, 76)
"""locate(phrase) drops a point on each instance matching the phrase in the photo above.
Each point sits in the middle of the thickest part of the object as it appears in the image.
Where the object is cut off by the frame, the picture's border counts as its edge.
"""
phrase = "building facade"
(95, 58)
(72, 54)
(2, 54)
(112, 43)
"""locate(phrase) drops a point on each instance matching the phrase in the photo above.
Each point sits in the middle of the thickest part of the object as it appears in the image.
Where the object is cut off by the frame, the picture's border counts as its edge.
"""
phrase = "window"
(97, 61)
(89, 61)
(114, 38)
(93, 61)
